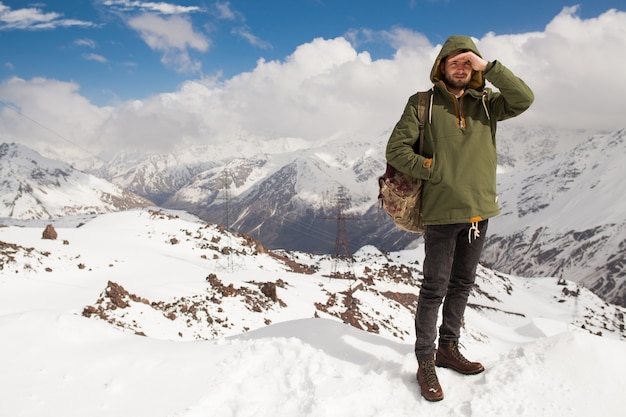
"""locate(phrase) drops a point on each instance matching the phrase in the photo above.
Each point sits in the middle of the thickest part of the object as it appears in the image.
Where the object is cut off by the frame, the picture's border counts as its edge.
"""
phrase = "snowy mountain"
(565, 216)
(561, 194)
(165, 315)
(284, 190)
(286, 199)
(154, 176)
(34, 187)
(562, 200)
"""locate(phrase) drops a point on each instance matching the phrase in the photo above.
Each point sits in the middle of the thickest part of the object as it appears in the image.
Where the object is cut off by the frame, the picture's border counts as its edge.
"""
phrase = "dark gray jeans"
(449, 274)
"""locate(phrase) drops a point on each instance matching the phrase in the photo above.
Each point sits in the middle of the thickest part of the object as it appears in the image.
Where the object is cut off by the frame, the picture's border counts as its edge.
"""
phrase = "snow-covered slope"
(294, 186)
(565, 216)
(154, 313)
(155, 176)
(562, 197)
(287, 199)
(34, 187)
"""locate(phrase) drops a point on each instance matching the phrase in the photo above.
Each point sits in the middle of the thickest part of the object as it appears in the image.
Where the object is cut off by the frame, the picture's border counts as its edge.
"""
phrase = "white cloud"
(90, 43)
(326, 89)
(165, 28)
(397, 37)
(33, 18)
(225, 11)
(573, 67)
(167, 8)
(149, 6)
(50, 114)
(95, 57)
(246, 34)
(173, 37)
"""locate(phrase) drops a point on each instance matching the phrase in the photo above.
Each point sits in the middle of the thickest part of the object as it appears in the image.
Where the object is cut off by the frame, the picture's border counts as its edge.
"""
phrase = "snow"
(54, 361)
(34, 187)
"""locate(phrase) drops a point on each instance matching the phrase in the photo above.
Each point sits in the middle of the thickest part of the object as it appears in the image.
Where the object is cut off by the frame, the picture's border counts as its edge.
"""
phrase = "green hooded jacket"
(460, 137)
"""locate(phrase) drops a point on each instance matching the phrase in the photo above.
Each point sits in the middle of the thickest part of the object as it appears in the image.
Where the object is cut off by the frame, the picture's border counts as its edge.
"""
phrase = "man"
(459, 194)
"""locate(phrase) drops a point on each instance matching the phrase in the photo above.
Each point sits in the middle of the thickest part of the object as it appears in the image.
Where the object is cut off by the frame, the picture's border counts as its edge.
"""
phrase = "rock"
(49, 233)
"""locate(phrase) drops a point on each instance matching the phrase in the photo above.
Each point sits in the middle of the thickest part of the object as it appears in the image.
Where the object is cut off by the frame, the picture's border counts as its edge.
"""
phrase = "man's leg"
(462, 279)
(440, 242)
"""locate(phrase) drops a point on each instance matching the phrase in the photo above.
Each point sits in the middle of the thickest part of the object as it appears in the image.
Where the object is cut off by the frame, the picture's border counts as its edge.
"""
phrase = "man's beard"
(460, 84)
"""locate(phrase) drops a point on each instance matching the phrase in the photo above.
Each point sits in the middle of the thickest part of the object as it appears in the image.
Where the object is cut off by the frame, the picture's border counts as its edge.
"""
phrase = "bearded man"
(458, 167)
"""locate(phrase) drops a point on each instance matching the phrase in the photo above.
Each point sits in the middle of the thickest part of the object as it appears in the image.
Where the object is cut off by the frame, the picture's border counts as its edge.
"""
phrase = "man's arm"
(514, 97)
(400, 153)
(477, 63)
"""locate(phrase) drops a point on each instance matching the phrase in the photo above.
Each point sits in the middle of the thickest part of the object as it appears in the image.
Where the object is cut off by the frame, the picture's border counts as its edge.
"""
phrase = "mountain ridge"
(290, 196)
(227, 283)
(34, 187)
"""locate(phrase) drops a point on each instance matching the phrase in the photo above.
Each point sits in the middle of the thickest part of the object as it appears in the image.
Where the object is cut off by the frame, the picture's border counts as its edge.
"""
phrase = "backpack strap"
(423, 99)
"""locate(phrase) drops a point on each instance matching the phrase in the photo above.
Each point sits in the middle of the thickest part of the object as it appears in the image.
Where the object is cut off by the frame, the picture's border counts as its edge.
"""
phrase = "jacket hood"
(453, 44)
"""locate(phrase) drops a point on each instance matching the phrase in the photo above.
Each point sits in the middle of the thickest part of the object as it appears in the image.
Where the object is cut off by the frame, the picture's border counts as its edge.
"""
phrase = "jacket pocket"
(436, 170)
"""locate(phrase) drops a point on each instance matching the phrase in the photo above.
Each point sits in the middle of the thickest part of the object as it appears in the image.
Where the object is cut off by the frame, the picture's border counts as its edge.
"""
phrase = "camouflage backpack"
(400, 195)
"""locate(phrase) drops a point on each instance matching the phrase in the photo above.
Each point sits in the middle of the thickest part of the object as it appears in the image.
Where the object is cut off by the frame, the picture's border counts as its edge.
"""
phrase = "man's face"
(457, 74)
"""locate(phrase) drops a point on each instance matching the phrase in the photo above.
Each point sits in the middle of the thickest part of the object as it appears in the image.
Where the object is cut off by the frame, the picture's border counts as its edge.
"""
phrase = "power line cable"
(50, 130)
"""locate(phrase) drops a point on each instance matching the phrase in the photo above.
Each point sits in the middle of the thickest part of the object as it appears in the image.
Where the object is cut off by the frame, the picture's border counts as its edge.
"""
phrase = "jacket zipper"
(458, 108)
(458, 111)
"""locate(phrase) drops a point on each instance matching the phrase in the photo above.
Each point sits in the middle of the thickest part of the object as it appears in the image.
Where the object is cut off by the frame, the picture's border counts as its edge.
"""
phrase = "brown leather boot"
(448, 356)
(428, 381)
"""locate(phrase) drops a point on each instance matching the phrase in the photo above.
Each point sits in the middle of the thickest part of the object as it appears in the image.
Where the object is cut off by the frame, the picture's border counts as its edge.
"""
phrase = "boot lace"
(454, 349)
(429, 373)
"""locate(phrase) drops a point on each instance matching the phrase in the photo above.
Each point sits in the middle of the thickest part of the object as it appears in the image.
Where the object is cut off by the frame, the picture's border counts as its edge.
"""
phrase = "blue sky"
(107, 75)
(104, 47)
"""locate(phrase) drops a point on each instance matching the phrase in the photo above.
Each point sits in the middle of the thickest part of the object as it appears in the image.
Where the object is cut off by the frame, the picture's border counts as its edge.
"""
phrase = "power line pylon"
(231, 264)
(341, 251)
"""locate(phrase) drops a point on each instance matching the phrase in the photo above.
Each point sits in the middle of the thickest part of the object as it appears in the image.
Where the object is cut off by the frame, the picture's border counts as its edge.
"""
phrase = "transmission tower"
(230, 264)
(341, 252)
